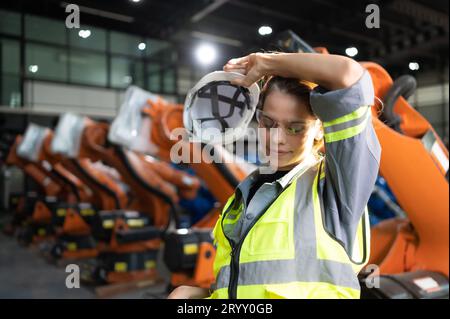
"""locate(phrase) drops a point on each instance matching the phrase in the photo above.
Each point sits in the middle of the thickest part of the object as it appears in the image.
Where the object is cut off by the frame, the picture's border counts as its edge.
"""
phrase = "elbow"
(352, 71)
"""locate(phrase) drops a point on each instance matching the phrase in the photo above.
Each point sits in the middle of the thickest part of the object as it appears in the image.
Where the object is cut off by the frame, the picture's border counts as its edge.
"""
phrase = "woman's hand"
(254, 66)
(330, 71)
(188, 292)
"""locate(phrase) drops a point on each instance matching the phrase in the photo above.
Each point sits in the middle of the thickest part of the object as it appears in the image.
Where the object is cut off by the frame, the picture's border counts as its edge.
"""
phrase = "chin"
(280, 164)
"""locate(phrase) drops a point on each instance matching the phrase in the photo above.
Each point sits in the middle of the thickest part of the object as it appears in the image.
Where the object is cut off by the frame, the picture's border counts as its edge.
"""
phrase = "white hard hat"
(68, 133)
(129, 128)
(32, 141)
(216, 111)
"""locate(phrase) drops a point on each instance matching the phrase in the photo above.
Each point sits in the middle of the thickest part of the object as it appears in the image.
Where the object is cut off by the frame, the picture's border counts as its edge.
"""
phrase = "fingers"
(177, 293)
(245, 65)
(235, 67)
(237, 64)
(241, 60)
(241, 71)
(248, 80)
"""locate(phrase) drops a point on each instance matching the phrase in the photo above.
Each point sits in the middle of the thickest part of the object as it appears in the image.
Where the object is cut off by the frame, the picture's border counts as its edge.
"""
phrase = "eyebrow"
(290, 122)
(297, 122)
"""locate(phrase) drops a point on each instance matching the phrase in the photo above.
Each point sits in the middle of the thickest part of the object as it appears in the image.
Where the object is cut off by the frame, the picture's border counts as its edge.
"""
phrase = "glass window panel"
(184, 82)
(154, 77)
(169, 82)
(9, 22)
(88, 68)
(156, 48)
(45, 62)
(125, 72)
(9, 56)
(43, 29)
(126, 44)
(88, 37)
(10, 90)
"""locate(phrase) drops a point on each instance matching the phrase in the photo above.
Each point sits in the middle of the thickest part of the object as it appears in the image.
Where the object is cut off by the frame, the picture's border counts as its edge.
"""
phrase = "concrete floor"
(26, 274)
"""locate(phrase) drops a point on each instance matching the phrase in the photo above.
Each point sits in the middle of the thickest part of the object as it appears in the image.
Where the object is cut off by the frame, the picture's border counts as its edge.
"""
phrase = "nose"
(277, 136)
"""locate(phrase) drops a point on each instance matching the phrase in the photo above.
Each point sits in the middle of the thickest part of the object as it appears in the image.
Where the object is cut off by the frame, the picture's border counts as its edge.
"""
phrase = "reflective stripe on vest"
(288, 253)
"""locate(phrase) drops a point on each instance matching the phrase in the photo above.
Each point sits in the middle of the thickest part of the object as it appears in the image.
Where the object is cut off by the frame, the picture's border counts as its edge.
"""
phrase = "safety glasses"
(291, 128)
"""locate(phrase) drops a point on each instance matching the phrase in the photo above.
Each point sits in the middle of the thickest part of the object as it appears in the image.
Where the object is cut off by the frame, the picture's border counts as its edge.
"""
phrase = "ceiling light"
(414, 66)
(206, 54)
(265, 30)
(142, 46)
(33, 68)
(84, 33)
(351, 52)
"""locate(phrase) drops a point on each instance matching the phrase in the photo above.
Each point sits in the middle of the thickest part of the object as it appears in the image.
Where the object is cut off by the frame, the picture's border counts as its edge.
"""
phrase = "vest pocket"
(271, 238)
(291, 290)
(274, 293)
(313, 290)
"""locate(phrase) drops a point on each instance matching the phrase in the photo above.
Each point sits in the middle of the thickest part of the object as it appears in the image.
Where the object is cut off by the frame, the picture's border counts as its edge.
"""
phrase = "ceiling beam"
(399, 55)
(207, 10)
(420, 12)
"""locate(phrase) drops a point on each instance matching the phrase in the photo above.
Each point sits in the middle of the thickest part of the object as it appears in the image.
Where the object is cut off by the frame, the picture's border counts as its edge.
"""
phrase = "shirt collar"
(310, 161)
(298, 170)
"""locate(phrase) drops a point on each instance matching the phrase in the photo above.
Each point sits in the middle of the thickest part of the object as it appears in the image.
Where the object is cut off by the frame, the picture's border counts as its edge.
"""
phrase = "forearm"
(189, 292)
(329, 71)
(199, 293)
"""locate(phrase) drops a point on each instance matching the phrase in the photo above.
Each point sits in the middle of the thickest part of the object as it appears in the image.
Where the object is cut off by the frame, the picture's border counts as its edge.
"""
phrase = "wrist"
(278, 64)
(269, 63)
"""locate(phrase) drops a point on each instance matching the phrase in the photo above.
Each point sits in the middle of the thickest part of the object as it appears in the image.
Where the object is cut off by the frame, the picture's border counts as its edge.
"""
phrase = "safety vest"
(287, 251)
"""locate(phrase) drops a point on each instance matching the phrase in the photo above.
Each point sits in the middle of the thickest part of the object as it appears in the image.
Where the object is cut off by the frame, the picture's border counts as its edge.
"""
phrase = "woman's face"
(287, 150)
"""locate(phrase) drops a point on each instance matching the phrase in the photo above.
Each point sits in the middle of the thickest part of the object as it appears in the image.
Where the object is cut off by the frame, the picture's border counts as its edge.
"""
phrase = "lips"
(279, 152)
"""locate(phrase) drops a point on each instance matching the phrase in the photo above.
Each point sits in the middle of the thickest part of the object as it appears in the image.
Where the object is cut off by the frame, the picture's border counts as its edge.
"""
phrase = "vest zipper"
(234, 275)
(233, 268)
(236, 249)
(236, 252)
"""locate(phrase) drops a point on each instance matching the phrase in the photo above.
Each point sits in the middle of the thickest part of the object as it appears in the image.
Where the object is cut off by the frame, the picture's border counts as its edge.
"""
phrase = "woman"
(301, 232)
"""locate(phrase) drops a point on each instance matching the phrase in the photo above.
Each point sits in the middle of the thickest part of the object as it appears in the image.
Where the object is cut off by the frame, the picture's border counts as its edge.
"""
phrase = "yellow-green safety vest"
(287, 252)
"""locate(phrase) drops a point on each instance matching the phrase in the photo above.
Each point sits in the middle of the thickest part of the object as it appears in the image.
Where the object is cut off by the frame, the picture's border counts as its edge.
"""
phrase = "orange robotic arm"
(167, 117)
(34, 170)
(151, 180)
(414, 163)
(84, 193)
(221, 178)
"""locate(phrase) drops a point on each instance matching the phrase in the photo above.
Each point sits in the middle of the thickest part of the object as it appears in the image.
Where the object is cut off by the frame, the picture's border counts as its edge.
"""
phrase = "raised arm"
(342, 102)
(329, 71)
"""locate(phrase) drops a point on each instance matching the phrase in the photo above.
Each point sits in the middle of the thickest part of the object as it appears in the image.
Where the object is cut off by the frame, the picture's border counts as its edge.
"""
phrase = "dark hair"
(299, 89)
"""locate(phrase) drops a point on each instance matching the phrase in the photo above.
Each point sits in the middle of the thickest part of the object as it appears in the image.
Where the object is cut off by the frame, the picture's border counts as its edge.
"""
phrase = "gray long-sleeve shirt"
(351, 158)
(352, 155)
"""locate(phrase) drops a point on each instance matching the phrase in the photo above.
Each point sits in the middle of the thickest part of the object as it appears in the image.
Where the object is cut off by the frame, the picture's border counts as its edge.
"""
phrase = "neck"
(308, 157)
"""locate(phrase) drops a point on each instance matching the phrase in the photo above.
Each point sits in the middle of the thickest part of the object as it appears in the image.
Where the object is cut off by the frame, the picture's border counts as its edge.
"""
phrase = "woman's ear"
(319, 131)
